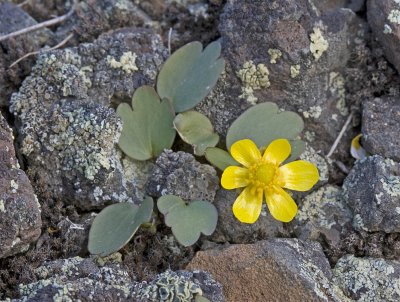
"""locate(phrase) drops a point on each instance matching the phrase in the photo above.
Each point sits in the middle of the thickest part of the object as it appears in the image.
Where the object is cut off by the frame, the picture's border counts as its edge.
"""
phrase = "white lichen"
(2, 206)
(318, 43)
(14, 186)
(394, 16)
(127, 62)
(313, 112)
(387, 29)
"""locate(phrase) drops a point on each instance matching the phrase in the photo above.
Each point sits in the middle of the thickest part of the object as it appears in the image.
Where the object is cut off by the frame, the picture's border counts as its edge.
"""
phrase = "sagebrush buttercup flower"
(263, 177)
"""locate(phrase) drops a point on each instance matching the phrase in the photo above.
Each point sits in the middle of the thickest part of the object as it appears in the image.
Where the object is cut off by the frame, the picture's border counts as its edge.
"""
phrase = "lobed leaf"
(263, 123)
(189, 74)
(148, 128)
(188, 221)
(196, 129)
(116, 224)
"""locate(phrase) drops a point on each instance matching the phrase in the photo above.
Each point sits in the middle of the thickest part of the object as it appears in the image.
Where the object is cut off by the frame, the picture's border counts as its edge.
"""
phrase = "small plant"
(188, 220)
(149, 127)
(116, 224)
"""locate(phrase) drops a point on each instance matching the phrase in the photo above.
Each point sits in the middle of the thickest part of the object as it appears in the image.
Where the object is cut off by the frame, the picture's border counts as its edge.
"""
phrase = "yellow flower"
(263, 176)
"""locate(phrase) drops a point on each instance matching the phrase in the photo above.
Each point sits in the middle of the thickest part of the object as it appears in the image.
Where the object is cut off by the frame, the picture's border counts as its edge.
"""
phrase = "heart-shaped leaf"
(189, 74)
(263, 123)
(115, 225)
(220, 158)
(196, 129)
(148, 128)
(188, 221)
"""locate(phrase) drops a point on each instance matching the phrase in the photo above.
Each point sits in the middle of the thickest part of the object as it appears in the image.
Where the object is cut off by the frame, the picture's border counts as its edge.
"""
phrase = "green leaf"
(115, 225)
(263, 123)
(196, 129)
(190, 74)
(148, 129)
(298, 147)
(220, 158)
(188, 221)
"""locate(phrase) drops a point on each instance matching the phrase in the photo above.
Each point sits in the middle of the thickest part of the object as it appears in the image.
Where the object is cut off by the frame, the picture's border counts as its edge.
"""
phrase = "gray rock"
(323, 216)
(181, 285)
(67, 132)
(13, 18)
(20, 220)
(384, 19)
(271, 270)
(329, 5)
(368, 279)
(372, 191)
(229, 229)
(92, 18)
(78, 279)
(380, 126)
(285, 52)
(178, 173)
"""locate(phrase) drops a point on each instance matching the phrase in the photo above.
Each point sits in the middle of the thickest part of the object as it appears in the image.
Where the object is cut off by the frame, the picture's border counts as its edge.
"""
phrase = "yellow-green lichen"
(253, 77)
(294, 71)
(127, 62)
(275, 55)
(337, 88)
(318, 43)
(311, 155)
(394, 16)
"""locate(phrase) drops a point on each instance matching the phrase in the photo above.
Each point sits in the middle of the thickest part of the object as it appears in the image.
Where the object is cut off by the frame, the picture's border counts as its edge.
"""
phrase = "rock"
(13, 18)
(20, 220)
(284, 52)
(77, 279)
(94, 17)
(368, 279)
(328, 5)
(181, 285)
(273, 270)
(323, 216)
(380, 126)
(384, 19)
(178, 173)
(67, 131)
(372, 191)
(229, 229)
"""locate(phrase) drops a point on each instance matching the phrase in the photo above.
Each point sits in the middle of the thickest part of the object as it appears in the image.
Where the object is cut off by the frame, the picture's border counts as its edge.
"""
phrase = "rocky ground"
(328, 60)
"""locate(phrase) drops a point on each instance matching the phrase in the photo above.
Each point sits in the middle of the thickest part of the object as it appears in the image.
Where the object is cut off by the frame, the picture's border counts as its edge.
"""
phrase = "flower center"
(262, 174)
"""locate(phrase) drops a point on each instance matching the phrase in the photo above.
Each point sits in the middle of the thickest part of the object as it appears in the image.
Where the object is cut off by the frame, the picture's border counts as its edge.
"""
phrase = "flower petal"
(280, 204)
(277, 151)
(299, 175)
(234, 177)
(245, 152)
(247, 206)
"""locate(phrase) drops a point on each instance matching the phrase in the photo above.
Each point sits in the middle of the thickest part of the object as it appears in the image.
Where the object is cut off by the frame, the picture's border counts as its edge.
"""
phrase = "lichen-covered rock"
(271, 270)
(94, 17)
(323, 216)
(229, 229)
(380, 126)
(13, 18)
(384, 19)
(288, 53)
(329, 5)
(372, 191)
(368, 279)
(179, 286)
(20, 220)
(67, 132)
(178, 173)
(78, 279)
